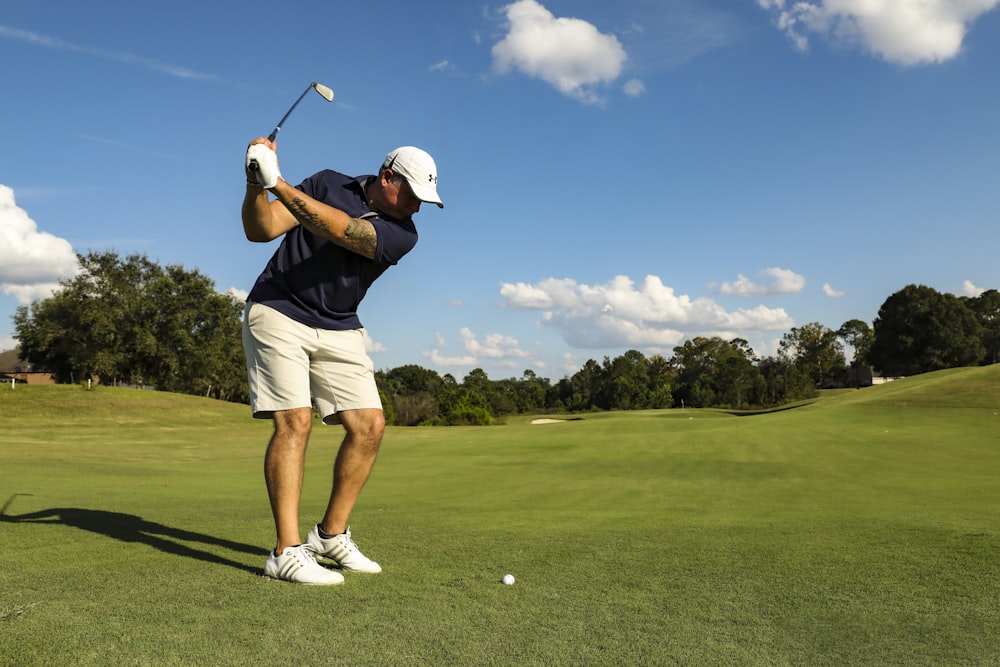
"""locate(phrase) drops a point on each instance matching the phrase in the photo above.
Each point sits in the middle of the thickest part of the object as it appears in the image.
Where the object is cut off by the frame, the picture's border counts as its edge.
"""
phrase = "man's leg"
(353, 466)
(284, 464)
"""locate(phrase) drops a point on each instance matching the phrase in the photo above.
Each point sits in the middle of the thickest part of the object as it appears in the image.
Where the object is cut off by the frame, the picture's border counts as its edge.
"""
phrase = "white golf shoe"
(297, 565)
(342, 550)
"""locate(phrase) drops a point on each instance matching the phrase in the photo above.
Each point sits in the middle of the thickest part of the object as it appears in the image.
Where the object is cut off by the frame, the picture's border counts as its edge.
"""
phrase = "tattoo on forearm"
(305, 217)
(360, 237)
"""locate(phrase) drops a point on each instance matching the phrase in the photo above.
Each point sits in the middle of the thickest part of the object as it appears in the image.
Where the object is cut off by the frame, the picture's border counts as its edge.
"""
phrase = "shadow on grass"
(135, 529)
(768, 411)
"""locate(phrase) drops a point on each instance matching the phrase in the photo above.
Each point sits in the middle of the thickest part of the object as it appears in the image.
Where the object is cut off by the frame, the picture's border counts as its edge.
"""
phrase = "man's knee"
(296, 423)
(368, 425)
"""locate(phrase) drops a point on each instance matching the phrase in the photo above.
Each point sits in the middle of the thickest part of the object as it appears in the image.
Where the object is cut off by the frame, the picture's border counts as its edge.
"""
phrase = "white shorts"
(291, 365)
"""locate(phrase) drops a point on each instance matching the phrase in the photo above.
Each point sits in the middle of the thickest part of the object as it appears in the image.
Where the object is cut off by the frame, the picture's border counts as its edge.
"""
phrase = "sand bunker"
(547, 421)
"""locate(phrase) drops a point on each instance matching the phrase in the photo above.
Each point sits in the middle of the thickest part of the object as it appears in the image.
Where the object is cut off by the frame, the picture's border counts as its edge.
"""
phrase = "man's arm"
(265, 219)
(323, 220)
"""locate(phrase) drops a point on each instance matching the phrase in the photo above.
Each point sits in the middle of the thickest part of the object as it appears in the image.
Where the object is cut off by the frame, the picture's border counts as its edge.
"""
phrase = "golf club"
(327, 94)
(319, 88)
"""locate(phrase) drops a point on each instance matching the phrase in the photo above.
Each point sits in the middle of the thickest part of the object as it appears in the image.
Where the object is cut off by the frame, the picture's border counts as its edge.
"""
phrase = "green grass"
(861, 529)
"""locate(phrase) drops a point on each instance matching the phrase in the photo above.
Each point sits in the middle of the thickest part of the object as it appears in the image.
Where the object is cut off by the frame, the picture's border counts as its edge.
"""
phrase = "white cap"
(419, 170)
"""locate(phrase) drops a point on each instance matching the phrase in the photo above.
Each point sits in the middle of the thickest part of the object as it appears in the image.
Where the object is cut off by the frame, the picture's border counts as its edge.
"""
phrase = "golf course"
(862, 528)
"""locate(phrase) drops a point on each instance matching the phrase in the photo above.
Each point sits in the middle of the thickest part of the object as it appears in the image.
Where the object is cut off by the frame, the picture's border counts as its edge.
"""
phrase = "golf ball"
(508, 579)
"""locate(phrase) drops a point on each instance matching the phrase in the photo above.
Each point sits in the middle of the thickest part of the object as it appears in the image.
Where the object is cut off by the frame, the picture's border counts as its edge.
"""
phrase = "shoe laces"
(348, 542)
(303, 553)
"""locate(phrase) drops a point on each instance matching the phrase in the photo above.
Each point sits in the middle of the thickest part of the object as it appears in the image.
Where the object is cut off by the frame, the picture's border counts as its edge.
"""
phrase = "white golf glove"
(262, 161)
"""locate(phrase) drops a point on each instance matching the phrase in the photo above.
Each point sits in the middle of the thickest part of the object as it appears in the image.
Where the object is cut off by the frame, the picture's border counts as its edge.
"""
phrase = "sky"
(616, 176)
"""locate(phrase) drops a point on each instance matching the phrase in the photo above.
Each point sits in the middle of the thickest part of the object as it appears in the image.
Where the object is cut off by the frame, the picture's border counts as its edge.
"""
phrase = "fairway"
(861, 529)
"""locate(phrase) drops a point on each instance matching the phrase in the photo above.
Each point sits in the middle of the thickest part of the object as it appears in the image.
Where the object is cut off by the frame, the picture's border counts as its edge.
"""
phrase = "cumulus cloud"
(970, 289)
(634, 88)
(832, 293)
(784, 282)
(568, 53)
(498, 349)
(623, 314)
(31, 262)
(906, 32)
(372, 346)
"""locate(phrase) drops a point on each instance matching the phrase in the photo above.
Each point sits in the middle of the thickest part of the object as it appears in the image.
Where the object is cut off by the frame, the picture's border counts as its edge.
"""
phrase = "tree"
(585, 386)
(527, 394)
(628, 380)
(986, 308)
(783, 381)
(411, 379)
(412, 392)
(129, 320)
(195, 337)
(466, 404)
(815, 350)
(532, 392)
(714, 372)
(859, 336)
(919, 330)
(489, 394)
(660, 382)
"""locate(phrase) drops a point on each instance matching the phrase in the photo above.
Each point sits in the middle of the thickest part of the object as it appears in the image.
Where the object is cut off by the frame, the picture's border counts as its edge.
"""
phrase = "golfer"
(304, 343)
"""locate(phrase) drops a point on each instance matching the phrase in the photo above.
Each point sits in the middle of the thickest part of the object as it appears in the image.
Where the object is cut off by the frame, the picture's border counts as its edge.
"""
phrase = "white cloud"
(493, 346)
(497, 349)
(785, 282)
(969, 289)
(443, 65)
(54, 43)
(621, 314)
(372, 346)
(832, 293)
(568, 53)
(31, 262)
(906, 32)
(439, 359)
(25, 294)
(634, 88)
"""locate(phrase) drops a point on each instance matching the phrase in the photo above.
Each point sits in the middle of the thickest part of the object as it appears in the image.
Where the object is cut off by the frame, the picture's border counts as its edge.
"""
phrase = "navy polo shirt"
(315, 281)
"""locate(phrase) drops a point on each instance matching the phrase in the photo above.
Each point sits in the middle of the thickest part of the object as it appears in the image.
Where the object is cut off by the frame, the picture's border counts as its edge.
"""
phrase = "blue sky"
(616, 176)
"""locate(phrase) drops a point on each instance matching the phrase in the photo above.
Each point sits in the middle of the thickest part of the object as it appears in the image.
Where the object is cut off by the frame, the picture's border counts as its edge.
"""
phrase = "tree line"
(130, 321)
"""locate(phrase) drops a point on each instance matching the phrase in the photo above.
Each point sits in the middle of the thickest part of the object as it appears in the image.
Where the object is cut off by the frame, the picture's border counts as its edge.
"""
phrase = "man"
(303, 340)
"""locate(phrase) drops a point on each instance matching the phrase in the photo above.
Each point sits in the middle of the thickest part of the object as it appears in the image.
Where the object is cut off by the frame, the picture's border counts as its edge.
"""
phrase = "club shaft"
(325, 92)
(277, 128)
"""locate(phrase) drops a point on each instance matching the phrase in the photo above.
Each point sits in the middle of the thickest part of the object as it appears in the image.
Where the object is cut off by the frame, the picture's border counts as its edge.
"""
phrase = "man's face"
(400, 202)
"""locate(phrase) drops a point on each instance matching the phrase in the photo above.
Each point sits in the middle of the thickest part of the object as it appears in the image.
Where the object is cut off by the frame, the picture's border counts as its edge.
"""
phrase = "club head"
(323, 90)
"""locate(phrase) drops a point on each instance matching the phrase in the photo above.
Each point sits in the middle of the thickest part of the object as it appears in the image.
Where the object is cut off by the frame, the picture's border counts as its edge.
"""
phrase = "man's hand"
(262, 165)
